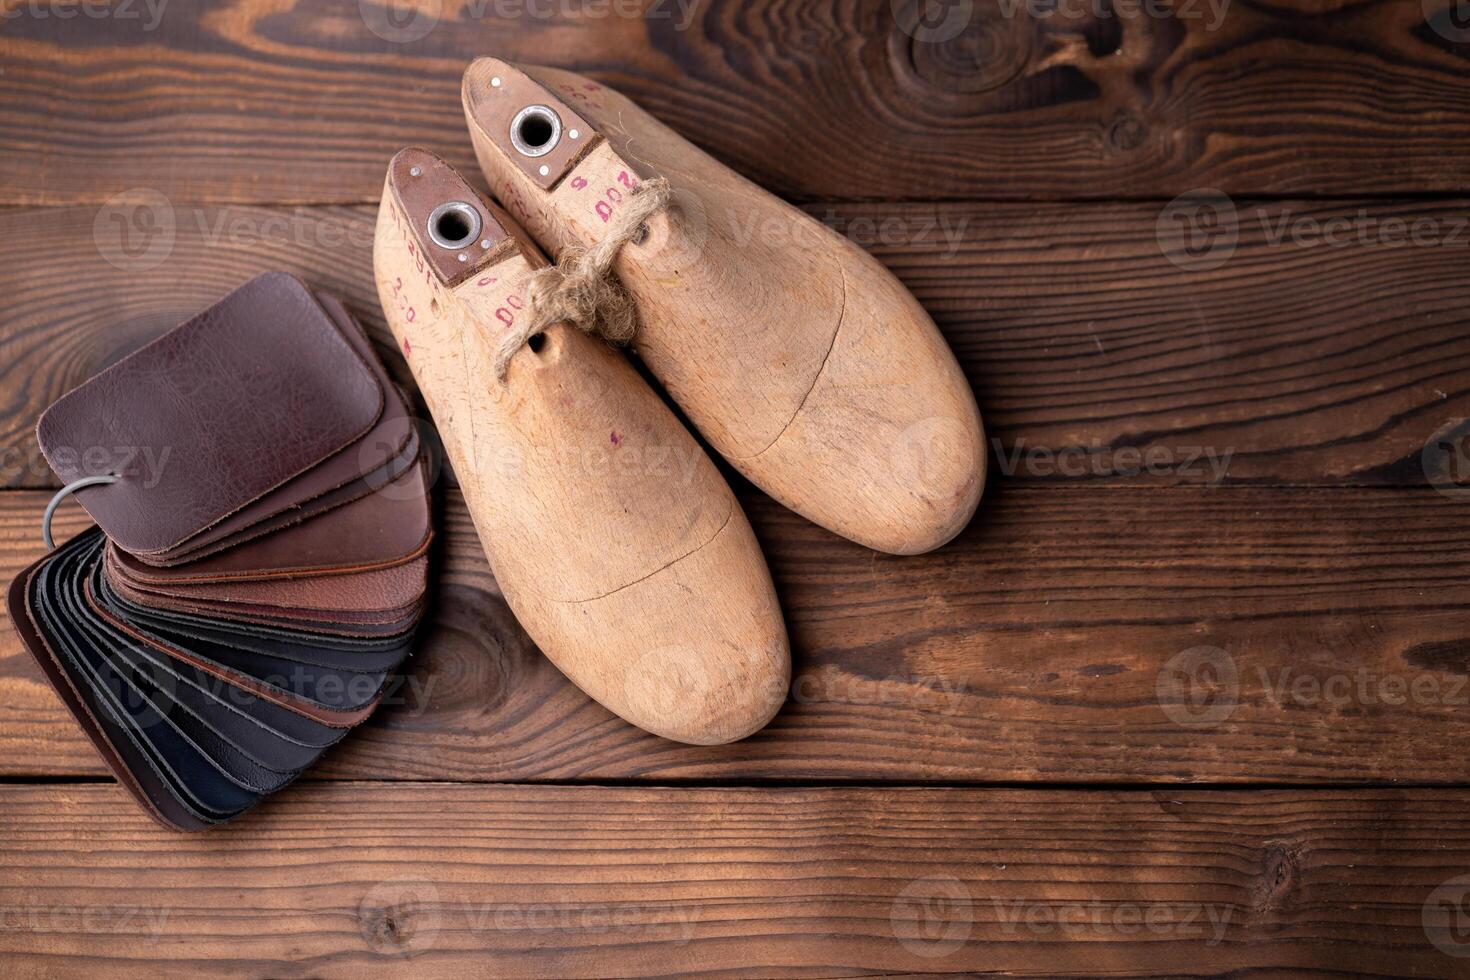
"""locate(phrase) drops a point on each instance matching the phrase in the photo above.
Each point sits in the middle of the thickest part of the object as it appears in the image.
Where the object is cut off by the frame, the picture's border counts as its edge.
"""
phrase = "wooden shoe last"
(615, 539)
(801, 359)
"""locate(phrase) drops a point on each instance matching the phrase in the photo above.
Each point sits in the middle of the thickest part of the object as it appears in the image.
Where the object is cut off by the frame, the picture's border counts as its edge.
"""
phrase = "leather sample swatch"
(244, 603)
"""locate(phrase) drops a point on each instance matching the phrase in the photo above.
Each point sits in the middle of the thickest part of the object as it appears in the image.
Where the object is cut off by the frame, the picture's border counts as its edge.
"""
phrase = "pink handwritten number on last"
(604, 209)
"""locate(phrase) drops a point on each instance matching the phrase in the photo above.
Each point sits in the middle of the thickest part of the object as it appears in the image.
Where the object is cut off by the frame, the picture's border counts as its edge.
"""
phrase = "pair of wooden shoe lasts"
(802, 360)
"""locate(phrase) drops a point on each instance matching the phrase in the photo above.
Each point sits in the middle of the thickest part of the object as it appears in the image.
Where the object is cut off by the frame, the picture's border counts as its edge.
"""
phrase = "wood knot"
(481, 655)
(965, 45)
(1278, 878)
(381, 927)
(400, 916)
(1126, 132)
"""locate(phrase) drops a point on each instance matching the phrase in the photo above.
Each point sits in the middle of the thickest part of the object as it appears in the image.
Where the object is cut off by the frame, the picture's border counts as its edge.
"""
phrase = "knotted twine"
(580, 289)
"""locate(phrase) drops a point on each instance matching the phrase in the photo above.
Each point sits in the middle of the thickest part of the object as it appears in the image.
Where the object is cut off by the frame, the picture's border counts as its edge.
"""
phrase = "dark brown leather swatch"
(391, 437)
(384, 528)
(250, 393)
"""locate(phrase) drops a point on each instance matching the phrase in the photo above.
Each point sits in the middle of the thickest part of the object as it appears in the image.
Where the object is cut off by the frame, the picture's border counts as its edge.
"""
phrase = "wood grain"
(284, 101)
(1093, 354)
(1173, 635)
(1280, 600)
(444, 880)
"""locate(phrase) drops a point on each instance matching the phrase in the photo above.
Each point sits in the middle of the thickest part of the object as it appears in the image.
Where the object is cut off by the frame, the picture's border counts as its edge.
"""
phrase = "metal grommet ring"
(469, 228)
(545, 116)
(62, 494)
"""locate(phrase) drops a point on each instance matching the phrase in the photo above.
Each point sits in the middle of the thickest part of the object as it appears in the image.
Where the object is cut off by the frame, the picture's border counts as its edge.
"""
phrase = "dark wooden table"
(1188, 697)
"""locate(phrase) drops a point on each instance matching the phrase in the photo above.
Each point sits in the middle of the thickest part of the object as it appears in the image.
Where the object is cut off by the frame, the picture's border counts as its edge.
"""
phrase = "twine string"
(580, 289)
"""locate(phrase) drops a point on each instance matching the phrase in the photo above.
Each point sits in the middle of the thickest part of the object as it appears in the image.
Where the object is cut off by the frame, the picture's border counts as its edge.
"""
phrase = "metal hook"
(62, 494)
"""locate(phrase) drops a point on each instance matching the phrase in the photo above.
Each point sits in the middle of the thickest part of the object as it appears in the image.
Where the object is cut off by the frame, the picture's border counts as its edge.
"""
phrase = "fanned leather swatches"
(259, 563)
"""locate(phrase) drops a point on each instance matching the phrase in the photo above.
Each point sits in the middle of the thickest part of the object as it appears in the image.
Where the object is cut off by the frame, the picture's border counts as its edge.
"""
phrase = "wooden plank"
(1071, 634)
(446, 880)
(1309, 354)
(266, 101)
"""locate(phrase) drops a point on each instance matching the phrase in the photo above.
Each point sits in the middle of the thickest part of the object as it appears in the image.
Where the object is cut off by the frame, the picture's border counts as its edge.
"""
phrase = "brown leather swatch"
(350, 624)
(374, 592)
(255, 390)
(389, 438)
(384, 528)
(198, 547)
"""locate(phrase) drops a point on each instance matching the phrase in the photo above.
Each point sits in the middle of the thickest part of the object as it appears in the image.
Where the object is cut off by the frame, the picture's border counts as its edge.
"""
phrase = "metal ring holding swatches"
(62, 494)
